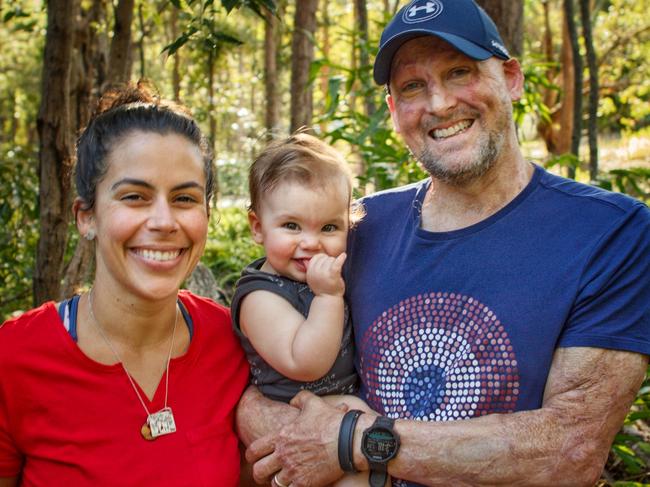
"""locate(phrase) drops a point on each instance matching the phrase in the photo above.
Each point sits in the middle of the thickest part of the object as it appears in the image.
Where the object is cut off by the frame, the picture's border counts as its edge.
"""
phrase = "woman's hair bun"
(118, 94)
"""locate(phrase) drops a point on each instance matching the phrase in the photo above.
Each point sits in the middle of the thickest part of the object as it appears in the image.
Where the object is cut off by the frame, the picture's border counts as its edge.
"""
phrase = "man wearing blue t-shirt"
(501, 313)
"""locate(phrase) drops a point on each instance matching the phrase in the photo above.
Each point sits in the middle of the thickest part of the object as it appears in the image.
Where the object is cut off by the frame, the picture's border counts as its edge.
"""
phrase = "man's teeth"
(453, 130)
(159, 255)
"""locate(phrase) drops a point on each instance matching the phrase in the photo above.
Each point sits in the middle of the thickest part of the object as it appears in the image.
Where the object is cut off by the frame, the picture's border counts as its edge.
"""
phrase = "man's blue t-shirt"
(460, 324)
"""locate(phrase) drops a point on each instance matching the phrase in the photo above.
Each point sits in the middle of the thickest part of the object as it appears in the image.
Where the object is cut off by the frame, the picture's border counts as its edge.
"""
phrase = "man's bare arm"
(565, 442)
(8, 481)
(258, 415)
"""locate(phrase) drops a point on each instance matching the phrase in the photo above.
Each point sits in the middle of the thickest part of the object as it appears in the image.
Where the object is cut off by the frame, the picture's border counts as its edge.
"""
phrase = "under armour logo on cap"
(420, 10)
(461, 23)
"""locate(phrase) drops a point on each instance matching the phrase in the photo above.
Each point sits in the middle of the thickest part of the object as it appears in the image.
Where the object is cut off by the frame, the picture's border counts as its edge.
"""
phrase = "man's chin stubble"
(466, 172)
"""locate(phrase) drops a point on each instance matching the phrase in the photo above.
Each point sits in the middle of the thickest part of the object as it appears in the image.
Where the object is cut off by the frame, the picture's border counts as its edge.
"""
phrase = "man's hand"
(304, 452)
(324, 275)
(258, 416)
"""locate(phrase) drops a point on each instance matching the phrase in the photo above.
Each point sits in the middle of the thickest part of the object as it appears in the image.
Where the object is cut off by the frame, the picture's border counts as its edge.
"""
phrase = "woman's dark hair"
(120, 111)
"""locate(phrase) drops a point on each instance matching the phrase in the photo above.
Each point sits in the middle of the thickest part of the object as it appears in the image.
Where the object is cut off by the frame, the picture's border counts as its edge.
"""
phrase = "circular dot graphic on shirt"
(439, 357)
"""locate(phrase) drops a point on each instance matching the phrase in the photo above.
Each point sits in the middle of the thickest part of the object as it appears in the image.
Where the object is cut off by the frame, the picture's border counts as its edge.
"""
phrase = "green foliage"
(386, 160)
(634, 181)
(567, 160)
(202, 27)
(18, 228)
(230, 247)
(535, 82)
(207, 33)
(257, 6)
(630, 454)
(622, 41)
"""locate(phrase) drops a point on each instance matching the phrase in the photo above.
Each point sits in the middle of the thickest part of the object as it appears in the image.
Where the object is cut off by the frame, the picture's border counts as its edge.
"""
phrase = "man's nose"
(440, 100)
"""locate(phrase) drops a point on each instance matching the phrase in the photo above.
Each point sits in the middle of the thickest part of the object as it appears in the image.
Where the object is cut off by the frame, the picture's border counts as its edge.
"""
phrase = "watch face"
(379, 444)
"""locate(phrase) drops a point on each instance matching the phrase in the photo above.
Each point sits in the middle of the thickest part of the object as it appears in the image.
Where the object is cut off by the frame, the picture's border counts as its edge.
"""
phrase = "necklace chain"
(117, 356)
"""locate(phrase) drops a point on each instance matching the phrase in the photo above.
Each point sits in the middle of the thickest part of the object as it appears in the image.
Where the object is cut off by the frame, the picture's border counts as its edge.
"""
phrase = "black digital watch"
(379, 445)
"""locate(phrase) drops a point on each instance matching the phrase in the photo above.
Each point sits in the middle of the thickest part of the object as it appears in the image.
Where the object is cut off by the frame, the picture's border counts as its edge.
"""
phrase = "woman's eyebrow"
(140, 182)
(132, 181)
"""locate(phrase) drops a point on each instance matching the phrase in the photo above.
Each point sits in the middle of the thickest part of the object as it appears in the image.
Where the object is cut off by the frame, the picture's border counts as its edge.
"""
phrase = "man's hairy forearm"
(566, 442)
(258, 416)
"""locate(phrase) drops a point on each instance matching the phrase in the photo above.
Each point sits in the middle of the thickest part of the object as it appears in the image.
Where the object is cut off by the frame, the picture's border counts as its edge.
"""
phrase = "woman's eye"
(291, 226)
(330, 227)
(186, 198)
(131, 197)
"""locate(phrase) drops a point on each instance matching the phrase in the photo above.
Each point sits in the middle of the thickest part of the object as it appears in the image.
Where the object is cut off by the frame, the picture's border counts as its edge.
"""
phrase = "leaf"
(176, 45)
(230, 4)
(632, 462)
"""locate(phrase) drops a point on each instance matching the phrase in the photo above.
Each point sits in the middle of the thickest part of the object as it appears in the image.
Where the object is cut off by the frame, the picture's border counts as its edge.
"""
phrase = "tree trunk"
(585, 15)
(271, 45)
(557, 132)
(118, 65)
(87, 80)
(325, 49)
(55, 150)
(176, 72)
(577, 84)
(212, 119)
(361, 15)
(202, 282)
(565, 129)
(143, 34)
(302, 54)
(508, 15)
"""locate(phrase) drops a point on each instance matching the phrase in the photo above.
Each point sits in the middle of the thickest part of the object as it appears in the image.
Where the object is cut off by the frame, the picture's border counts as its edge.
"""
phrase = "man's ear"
(256, 227)
(391, 108)
(514, 78)
(85, 219)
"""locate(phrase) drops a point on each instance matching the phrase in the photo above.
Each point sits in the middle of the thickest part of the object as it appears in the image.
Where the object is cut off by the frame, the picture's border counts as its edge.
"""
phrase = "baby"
(288, 308)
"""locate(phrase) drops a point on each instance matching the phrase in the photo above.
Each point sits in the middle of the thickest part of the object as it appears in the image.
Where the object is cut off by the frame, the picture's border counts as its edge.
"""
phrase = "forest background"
(251, 70)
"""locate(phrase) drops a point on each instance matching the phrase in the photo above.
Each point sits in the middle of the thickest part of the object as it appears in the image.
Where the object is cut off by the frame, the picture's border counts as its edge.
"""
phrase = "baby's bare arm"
(299, 348)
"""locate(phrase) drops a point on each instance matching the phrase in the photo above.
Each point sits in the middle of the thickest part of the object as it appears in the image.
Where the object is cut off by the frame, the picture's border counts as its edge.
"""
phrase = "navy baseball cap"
(462, 23)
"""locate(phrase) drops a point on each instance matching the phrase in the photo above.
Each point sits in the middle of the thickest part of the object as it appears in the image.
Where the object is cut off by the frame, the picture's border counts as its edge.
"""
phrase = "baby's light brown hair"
(300, 158)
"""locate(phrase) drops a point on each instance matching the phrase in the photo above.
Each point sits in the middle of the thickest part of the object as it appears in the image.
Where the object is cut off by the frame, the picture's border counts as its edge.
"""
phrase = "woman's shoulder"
(24, 322)
(28, 329)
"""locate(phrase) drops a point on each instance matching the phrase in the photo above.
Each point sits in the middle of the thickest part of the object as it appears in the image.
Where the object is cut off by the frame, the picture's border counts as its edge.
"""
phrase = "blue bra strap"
(188, 318)
(72, 306)
(72, 316)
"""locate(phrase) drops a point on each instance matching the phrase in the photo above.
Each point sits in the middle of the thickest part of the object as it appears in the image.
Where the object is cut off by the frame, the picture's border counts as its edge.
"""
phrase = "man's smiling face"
(453, 112)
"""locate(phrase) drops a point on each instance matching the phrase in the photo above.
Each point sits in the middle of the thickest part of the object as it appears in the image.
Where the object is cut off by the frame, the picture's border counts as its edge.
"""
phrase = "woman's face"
(150, 215)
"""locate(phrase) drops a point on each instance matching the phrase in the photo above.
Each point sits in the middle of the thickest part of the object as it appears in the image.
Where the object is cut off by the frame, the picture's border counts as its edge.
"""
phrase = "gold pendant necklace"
(161, 422)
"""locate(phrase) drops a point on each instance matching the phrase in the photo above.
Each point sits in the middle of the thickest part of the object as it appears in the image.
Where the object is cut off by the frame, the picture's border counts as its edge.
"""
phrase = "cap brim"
(384, 59)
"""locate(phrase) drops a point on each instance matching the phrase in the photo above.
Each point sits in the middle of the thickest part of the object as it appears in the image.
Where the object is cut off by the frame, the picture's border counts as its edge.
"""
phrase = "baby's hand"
(324, 274)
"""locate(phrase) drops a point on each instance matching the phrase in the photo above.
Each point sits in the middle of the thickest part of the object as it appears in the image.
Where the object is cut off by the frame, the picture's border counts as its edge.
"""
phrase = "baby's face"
(296, 222)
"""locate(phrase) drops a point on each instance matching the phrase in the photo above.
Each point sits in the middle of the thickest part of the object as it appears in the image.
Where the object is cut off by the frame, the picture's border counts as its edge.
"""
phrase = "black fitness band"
(346, 435)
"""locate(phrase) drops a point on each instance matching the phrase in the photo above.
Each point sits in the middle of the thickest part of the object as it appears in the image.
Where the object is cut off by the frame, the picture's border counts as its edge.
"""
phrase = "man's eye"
(459, 73)
(330, 227)
(411, 86)
(291, 226)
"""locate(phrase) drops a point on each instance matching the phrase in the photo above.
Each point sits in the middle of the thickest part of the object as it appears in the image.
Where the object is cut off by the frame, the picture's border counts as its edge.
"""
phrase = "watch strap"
(379, 470)
(378, 476)
(346, 437)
